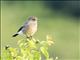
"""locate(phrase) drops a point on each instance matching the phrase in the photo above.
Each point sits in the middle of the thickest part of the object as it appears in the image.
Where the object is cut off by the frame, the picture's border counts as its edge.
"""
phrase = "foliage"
(29, 49)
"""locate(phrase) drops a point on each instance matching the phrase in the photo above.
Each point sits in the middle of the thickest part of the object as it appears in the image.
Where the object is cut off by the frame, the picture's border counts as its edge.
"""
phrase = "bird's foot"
(29, 37)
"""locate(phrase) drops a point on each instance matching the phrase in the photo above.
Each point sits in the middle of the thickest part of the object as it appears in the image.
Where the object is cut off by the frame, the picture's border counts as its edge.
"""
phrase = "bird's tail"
(15, 35)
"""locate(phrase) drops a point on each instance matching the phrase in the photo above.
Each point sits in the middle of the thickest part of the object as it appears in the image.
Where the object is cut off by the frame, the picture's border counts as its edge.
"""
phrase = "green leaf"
(18, 58)
(31, 44)
(44, 51)
(21, 44)
(13, 51)
(6, 55)
(36, 55)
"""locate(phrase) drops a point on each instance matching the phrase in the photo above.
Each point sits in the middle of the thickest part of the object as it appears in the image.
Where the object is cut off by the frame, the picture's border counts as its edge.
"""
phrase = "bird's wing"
(20, 28)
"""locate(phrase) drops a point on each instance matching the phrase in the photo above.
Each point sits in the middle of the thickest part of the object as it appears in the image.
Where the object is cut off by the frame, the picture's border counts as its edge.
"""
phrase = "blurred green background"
(59, 19)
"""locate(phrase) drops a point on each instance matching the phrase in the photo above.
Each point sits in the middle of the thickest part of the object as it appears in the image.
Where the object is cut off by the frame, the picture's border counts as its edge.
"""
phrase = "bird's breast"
(31, 29)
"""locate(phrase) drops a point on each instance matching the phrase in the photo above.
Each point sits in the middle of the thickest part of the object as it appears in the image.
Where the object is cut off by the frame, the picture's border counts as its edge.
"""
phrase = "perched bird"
(28, 28)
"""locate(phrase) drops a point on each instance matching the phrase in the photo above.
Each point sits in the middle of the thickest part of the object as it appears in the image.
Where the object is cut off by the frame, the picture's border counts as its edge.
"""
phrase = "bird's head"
(32, 18)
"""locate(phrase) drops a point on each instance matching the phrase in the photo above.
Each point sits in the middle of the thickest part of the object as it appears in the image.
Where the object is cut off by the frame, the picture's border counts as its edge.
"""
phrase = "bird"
(29, 28)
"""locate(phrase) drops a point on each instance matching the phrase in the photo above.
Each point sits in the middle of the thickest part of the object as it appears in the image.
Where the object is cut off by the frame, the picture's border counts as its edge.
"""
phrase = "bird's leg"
(30, 37)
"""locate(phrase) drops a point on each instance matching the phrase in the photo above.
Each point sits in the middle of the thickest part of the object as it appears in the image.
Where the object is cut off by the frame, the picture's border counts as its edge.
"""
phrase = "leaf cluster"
(28, 49)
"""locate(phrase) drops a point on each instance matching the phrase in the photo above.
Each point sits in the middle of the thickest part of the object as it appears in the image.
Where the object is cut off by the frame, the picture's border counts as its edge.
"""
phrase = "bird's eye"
(33, 19)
